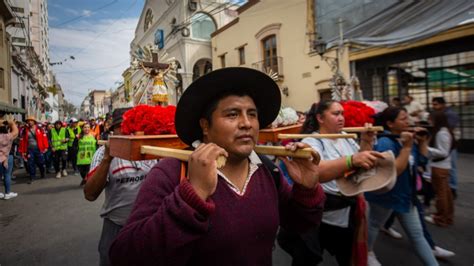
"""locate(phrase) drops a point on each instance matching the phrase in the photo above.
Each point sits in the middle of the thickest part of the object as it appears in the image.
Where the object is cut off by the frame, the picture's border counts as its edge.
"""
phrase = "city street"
(50, 223)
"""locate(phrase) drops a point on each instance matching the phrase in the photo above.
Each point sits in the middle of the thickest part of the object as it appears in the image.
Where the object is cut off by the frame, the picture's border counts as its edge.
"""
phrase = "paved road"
(50, 223)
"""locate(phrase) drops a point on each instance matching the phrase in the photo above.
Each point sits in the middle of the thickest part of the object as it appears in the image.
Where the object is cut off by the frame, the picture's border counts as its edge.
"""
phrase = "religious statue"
(159, 79)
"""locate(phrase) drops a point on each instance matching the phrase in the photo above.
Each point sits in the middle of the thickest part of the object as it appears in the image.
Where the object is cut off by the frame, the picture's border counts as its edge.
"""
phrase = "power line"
(94, 69)
(84, 15)
(104, 31)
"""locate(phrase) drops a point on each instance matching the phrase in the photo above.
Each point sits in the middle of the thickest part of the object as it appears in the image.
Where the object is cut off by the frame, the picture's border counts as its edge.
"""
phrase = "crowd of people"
(168, 212)
(48, 147)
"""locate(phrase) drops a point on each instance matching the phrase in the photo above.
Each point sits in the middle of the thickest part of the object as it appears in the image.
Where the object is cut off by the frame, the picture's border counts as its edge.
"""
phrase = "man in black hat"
(121, 180)
(200, 215)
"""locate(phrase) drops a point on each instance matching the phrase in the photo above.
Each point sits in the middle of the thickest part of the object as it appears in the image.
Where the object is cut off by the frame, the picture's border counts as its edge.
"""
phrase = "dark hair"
(212, 105)
(311, 123)
(440, 120)
(439, 100)
(388, 115)
(82, 132)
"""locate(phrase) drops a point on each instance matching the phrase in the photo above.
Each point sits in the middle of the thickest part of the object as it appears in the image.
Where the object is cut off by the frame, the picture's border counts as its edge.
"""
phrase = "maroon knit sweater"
(171, 225)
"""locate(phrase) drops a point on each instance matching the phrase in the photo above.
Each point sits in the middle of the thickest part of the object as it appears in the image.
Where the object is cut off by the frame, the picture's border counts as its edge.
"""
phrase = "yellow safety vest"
(86, 150)
(57, 139)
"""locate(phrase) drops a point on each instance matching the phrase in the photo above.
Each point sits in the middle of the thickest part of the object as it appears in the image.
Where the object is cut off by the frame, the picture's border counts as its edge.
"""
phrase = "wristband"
(349, 161)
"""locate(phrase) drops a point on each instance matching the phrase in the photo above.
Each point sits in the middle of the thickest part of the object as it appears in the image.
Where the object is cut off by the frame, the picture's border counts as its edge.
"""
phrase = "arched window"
(148, 20)
(270, 59)
(202, 25)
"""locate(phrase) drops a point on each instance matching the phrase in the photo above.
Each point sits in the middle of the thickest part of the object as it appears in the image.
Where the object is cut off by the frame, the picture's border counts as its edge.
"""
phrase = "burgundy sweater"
(171, 225)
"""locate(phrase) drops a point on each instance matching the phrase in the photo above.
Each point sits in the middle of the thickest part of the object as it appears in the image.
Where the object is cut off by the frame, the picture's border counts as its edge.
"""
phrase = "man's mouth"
(246, 137)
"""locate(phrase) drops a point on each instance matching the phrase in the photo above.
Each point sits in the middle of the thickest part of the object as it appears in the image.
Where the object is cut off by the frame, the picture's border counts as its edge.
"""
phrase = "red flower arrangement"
(357, 113)
(152, 120)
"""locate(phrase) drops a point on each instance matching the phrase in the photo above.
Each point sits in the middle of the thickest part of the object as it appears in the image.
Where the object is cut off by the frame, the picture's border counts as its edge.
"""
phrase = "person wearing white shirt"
(439, 154)
(415, 109)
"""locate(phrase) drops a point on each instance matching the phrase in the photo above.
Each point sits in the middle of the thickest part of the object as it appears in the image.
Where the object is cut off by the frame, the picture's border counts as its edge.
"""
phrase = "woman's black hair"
(311, 123)
(388, 115)
(440, 120)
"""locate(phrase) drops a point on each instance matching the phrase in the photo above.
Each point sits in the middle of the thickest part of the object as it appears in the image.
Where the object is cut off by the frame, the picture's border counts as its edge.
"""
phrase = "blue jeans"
(35, 158)
(411, 224)
(453, 173)
(6, 172)
(48, 158)
(421, 213)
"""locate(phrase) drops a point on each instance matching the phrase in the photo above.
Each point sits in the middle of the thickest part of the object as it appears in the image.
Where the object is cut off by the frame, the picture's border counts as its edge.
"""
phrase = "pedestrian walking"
(400, 199)
(73, 130)
(439, 104)
(8, 133)
(49, 155)
(441, 145)
(343, 217)
(196, 214)
(86, 147)
(121, 180)
(59, 147)
(33, 145)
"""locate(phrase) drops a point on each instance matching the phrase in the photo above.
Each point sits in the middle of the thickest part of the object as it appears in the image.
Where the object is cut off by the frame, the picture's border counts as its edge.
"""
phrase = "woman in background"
(400, 200)
(439, 154)
(86, 147)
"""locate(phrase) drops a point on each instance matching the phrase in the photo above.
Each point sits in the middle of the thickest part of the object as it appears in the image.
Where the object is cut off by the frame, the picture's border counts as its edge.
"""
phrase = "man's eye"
(253, 114)
(232, 115)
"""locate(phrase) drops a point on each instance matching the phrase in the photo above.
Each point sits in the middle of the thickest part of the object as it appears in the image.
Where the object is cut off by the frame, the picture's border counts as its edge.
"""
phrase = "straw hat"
(379, 179)
(31, 118)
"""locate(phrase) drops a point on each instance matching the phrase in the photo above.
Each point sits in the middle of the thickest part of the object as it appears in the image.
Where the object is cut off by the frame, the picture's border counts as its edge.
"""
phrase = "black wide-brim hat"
(203, 91)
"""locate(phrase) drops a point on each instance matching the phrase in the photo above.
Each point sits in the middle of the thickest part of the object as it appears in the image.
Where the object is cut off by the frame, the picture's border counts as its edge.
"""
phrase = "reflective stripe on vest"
(86, 150)
(56, 139)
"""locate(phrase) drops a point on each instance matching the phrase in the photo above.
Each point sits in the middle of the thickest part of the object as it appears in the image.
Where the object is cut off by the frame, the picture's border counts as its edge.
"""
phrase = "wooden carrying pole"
(362, 129)
(145, 151)
(183, 155)
(318, 136)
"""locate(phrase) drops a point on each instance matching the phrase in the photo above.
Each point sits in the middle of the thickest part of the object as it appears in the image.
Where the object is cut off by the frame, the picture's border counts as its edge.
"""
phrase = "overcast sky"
(97, 33)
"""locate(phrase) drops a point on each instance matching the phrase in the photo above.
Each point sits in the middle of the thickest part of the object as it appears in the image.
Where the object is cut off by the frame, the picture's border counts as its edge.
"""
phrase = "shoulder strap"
(274, 170)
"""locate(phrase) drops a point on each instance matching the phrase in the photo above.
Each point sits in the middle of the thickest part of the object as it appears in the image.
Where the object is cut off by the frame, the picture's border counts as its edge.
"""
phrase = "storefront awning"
(10, 109)
(409, 21)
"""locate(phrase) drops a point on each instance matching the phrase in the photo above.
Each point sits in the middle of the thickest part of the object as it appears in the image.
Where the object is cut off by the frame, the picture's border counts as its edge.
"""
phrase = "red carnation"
(152, 120)
(356, 114)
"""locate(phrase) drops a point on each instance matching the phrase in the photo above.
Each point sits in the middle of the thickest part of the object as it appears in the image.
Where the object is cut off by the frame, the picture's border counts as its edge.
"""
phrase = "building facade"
(275, 36)
(6, 18)
(181, 29)
(31, 78)
(40, 38)
(425, 51)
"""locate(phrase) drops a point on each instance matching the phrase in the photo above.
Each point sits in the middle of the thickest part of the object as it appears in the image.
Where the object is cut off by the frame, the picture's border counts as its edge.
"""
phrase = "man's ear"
(204, 126)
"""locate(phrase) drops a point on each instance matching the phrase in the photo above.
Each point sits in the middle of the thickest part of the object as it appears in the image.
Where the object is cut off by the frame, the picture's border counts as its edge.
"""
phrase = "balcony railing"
(273, 64)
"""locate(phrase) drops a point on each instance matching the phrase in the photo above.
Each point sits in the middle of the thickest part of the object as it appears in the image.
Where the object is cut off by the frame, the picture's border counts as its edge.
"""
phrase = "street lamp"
(337, 83)
(319, 46)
